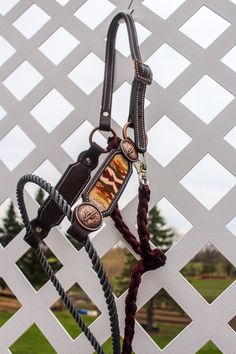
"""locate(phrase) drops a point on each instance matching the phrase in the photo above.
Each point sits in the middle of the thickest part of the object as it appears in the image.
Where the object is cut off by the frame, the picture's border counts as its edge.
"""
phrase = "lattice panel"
(50, 98)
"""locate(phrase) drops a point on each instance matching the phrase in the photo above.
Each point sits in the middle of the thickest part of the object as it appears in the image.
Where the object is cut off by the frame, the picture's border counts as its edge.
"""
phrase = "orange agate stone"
(109, 183)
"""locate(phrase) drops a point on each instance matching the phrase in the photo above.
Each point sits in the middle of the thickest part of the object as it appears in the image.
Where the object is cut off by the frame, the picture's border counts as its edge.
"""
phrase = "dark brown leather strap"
(142, 77)
(70, 186)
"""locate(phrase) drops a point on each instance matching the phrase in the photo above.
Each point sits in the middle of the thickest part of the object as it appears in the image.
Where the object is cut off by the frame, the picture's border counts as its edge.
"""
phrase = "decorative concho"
(129, 150)
(88, 216)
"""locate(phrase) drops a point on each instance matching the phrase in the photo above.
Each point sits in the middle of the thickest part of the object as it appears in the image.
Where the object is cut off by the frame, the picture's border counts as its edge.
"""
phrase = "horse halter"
(100, 194)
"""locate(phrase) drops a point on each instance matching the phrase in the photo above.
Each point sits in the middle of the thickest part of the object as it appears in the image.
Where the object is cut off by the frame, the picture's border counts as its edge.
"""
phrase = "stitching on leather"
(140, 91)
(130, 33)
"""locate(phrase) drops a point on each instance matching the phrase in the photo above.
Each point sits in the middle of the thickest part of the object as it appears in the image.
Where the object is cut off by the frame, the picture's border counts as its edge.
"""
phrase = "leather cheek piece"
(71, 184)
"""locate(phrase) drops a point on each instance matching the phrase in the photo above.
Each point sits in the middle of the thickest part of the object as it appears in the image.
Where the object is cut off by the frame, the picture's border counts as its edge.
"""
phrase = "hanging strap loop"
(142, 77)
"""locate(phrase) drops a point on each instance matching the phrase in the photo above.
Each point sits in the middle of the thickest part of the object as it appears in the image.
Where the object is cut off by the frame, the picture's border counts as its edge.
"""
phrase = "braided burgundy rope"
(124, 230)
(150, 259)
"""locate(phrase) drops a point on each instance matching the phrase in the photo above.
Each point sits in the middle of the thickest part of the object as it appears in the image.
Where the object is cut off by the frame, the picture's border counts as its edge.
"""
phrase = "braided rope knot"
(155, 259)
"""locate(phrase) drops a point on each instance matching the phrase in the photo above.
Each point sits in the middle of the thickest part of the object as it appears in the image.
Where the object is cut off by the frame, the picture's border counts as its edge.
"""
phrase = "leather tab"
(105, 121)
(78, 232)
(90, 157)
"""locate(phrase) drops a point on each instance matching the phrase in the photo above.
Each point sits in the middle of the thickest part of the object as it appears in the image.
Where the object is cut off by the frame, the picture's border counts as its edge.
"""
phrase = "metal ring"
(124, 131)
(97, 128)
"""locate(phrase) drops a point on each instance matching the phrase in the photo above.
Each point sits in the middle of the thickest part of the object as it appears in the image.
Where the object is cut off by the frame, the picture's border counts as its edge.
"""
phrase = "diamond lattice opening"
(88, 74)
(167, 64)
(231, 137)
(161, 233)
(2, 113)
(59, 45)
(122, 40)
(130, 192)
(78, 140)
(9, 154)
(208, 181)
(22, 80)
(162, 318)
(84, 306)
(231, 226)
(9, 304)
(163, 8)
(52, 110)
(120, 103)
(174, 219)
(166, 140)
(6, 50)
(230, 59)
(209, 347)
(209, 272)
(93, 12)
(232, 323)
(6, 6)
(211, 24)
(62, 2)
(118, 262)
(10, 222)
(206, 99)
(48, 172)
(35, 342)
(31, 267)
(31, 21)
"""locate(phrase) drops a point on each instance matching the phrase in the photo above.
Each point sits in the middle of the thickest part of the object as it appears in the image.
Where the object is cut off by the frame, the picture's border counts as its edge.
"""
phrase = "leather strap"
(77, 232)
(142, 77)
(70, 186)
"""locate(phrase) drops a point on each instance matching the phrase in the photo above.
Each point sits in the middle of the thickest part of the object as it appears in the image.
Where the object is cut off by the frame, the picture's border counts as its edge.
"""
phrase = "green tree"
(162, 237)
(160, 234)
(11, 227)
(40, 196)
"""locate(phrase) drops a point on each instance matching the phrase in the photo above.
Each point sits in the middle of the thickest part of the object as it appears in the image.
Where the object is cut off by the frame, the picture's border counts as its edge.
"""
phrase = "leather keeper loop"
(142, 72)
(78, 232)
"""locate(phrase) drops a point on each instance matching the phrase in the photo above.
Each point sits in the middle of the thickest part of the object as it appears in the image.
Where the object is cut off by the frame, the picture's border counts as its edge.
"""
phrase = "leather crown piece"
(142, 77)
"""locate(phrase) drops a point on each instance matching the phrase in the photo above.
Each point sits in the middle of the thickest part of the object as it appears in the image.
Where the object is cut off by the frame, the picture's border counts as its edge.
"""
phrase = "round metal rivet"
(38, 229)
(88, 161)
(105, 114)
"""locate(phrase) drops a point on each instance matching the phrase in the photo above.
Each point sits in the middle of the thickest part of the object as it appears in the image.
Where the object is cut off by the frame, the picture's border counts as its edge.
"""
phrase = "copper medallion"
(88, 216)
(129, 150)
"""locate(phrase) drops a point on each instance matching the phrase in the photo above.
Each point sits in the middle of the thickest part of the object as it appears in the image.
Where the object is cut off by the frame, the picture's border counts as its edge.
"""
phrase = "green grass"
(33, 341)
(210, 288)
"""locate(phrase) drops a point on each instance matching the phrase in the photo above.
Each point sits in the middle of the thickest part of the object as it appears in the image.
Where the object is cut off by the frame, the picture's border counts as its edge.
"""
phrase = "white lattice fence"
(190, 116)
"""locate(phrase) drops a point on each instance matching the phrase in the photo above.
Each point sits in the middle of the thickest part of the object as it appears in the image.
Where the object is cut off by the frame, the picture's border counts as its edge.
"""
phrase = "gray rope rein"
(106, 287)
